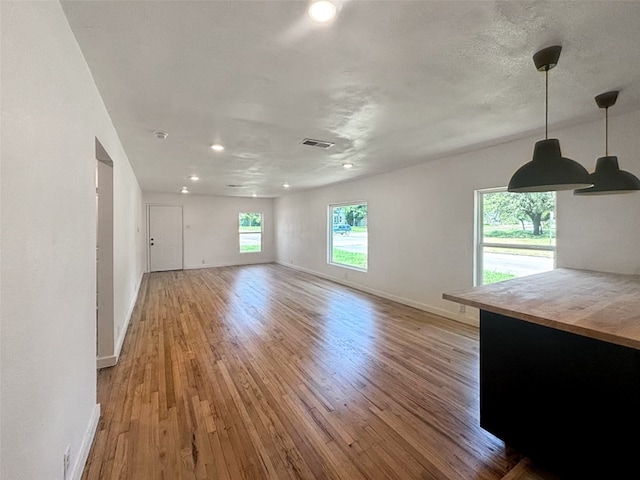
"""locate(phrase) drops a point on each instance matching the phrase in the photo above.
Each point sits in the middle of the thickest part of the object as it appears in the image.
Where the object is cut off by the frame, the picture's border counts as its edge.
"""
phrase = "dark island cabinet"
(560, 369)
(565, 400)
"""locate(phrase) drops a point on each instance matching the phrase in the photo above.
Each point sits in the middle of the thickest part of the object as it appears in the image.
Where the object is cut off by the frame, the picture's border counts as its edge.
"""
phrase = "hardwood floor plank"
(168, 437)
(263, 372)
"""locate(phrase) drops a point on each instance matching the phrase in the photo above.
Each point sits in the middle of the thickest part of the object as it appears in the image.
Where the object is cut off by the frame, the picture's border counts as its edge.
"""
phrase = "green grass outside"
(520, 241)
(250, 229)
(249, 248)
(352, 259)
(510, 232)
(514, 236)
(491, 276)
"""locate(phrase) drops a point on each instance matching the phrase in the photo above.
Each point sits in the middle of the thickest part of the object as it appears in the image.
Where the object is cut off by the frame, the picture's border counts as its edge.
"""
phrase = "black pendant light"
(549, 170)
(608, 178)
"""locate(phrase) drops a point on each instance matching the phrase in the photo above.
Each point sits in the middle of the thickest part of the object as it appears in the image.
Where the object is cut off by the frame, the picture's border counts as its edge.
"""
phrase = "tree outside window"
(516, 234)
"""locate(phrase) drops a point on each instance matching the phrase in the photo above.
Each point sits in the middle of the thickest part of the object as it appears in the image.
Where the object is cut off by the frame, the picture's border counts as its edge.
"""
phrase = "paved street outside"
(250, 239)
(519, 265)
(355, 242)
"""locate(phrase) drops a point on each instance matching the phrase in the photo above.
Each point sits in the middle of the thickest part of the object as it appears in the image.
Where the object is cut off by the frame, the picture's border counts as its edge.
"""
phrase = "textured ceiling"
(391, 83)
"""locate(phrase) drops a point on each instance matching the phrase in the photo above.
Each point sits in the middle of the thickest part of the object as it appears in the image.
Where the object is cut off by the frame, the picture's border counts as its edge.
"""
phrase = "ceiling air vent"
(317, 143)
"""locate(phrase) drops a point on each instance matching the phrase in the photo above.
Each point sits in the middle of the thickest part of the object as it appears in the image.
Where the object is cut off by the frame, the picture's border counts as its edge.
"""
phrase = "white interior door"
(165, 238)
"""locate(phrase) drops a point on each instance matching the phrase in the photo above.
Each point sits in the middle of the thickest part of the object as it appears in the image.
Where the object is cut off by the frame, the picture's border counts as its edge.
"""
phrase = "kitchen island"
(560, 369)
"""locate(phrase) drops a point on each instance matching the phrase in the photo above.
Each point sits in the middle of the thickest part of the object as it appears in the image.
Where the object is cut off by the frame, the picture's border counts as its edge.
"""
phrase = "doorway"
(165, 238)
(105, 343)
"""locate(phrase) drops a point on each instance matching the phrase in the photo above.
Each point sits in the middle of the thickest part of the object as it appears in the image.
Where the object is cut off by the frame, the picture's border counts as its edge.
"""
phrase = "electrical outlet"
(66, 463)
(463, 308)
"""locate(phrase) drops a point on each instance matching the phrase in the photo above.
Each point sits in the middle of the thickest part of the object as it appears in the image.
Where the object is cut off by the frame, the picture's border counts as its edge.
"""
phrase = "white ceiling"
(391, 83)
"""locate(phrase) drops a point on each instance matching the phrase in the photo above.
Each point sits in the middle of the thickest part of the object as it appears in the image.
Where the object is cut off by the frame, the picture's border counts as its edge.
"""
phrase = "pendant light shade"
(548, 170)
(608, 178)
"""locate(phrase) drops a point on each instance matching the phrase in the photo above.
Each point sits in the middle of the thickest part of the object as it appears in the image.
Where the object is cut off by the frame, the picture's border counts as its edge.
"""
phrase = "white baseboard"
(85, 446)
(225, 264)
(111, 360)
(470, 318)
(123, 330)
(104, 362)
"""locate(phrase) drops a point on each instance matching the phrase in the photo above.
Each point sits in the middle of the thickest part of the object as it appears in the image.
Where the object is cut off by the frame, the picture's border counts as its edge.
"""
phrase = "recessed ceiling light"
(160, 135)
(217, 147)
(322, 11)
(184, 190)
(194, 178)
(254, 195)
(347, 165)
(286, 185)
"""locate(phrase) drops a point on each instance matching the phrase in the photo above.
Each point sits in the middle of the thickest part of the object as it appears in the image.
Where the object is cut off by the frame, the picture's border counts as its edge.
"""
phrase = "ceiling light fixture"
(608, 178)
(217, 147)
(254, 195)
(286, 185)
(194, 178)
(347, 165)
(184, 190)
(160, 135)
(548, 170)
(322, 11)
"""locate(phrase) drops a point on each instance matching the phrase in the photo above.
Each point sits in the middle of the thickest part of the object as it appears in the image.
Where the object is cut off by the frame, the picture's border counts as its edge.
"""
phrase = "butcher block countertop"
(603, 306)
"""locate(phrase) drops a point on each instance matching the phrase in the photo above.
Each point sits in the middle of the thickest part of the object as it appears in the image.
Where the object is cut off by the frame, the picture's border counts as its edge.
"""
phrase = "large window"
(348, 240)
(516, 234)
(250, 232)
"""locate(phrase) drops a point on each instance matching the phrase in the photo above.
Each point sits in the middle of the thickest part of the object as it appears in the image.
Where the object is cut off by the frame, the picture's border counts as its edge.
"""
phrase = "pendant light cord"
(546, 104)
(606, 132)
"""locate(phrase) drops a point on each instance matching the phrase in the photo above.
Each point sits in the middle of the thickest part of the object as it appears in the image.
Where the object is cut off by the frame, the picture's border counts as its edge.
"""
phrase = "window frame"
(478, 271)
(250, 233)
(330, 223)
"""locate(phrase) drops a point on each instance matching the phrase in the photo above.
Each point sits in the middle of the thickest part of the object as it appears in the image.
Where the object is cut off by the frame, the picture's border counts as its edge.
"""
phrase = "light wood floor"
(262, 372)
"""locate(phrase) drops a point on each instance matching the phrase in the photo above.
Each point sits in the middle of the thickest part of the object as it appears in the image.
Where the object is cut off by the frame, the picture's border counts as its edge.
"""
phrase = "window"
(250, 232)
(516, 234)
(348, 240)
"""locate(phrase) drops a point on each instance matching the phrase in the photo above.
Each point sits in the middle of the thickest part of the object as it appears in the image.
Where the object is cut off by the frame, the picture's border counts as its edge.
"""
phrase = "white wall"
(603, 232)
(433, 206)
(211, 228)
(129, 253)
(51, 114)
